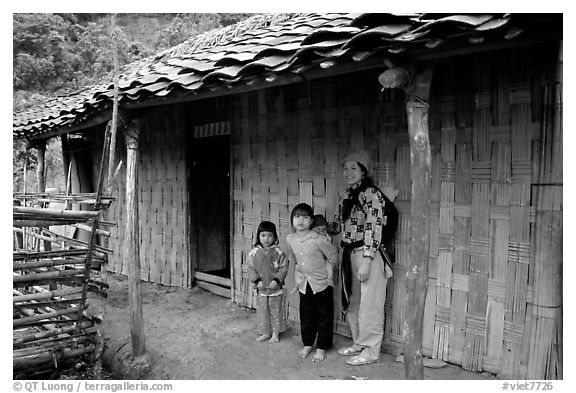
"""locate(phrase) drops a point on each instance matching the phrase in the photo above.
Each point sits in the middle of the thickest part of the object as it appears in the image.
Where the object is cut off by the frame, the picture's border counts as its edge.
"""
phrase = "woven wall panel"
(163, 196)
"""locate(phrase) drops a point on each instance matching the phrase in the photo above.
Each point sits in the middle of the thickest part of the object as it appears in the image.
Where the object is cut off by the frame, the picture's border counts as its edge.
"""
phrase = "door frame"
(222, 286)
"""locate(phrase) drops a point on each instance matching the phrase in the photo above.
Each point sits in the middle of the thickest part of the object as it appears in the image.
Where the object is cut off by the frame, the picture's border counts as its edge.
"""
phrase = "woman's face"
(266, 238)
(352, 173)
(301, 222)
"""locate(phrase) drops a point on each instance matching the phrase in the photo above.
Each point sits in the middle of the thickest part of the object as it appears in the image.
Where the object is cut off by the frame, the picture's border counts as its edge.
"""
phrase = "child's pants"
(270, 314)
(366, 310)
(317, 317)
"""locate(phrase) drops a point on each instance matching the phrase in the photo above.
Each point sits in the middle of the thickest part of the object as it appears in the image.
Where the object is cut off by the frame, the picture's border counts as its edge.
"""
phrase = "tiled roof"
(273, 45)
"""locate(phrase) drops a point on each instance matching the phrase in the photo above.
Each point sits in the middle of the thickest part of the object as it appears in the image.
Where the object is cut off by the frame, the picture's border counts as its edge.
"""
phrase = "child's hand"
(260, 285)
(273, 285)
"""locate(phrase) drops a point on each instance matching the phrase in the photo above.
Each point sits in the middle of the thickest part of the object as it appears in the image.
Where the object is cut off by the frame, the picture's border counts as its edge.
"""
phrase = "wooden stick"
(43, 213)
(45, 295)
(92, 242)
(30, 223)
(47, 263)
(30, 278)
(114, 178)
(114, 120)
(53, 344)
(57, 322)
(34, 318)
(48, 254)
(84, 198)
(56, 303)
(46, 334)
(76, 242)
(48, 357)
(100, 232)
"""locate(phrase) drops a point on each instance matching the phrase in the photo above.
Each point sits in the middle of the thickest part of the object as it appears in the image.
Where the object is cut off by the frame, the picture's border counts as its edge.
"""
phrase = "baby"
(320, 225)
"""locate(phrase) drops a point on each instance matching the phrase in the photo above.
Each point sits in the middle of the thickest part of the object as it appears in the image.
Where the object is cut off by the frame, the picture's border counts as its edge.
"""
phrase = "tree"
(186, 26)
(43, 51)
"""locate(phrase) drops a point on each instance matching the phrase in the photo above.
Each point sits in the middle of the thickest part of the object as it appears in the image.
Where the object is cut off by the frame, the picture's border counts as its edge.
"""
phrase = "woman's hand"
(273, 285)
(260, 284)
(330, 271)
(364, 270)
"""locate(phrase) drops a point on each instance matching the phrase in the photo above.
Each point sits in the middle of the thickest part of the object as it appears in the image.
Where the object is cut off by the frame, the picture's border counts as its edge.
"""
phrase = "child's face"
(301, 222)
(266, 238)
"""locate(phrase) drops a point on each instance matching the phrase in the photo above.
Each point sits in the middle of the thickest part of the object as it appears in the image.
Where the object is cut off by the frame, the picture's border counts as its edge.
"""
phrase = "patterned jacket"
(267, 265)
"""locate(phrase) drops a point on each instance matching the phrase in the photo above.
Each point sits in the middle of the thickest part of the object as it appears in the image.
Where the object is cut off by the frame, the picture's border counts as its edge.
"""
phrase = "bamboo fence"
(52, 275)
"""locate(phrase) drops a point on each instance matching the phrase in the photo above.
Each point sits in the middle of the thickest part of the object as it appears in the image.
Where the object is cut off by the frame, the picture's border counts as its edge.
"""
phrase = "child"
(320, 226)
(310, 251)
(267, 267)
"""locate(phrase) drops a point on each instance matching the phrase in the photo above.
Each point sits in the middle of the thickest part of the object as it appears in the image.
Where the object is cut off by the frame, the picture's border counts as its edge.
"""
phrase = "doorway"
(209, 187)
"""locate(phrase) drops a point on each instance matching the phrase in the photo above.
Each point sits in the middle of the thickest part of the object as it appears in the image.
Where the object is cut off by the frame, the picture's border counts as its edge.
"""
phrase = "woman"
(360, 220)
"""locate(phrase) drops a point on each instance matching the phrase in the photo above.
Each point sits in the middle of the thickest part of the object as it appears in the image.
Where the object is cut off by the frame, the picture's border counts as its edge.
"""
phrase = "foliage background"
(57, 54)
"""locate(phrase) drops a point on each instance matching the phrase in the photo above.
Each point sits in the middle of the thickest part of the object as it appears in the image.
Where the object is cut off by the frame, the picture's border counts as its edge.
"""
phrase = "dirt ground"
(193, 334)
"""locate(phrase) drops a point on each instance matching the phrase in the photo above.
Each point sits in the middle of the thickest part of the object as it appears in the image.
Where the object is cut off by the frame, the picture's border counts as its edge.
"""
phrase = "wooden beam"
(132, 239)
(225, 282)
(419, 246)
(452, 50)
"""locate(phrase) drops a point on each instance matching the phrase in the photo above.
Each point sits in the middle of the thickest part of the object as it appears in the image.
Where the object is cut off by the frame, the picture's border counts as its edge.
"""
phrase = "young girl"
(267, 266)
(310, 251)
(319, 225)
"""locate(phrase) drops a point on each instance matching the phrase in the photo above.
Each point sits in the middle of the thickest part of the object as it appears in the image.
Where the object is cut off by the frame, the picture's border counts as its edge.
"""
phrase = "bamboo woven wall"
(163, 201)
(495, 266)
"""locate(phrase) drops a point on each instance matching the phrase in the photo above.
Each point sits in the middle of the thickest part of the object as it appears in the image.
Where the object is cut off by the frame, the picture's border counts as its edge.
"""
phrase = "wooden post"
(41, 186)
(65, 157)
(419, 250)
(132, 239)
(40, 155)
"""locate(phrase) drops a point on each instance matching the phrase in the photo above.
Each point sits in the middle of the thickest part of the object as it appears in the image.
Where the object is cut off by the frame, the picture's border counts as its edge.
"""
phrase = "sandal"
(348, 351)
(360, 361)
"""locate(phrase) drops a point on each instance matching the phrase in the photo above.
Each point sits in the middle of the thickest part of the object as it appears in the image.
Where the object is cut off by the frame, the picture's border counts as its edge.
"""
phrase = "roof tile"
(262, 48)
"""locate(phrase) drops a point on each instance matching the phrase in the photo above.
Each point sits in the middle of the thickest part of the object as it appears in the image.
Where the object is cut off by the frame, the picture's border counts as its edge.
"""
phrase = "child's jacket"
(267, 265)
(310, 254)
